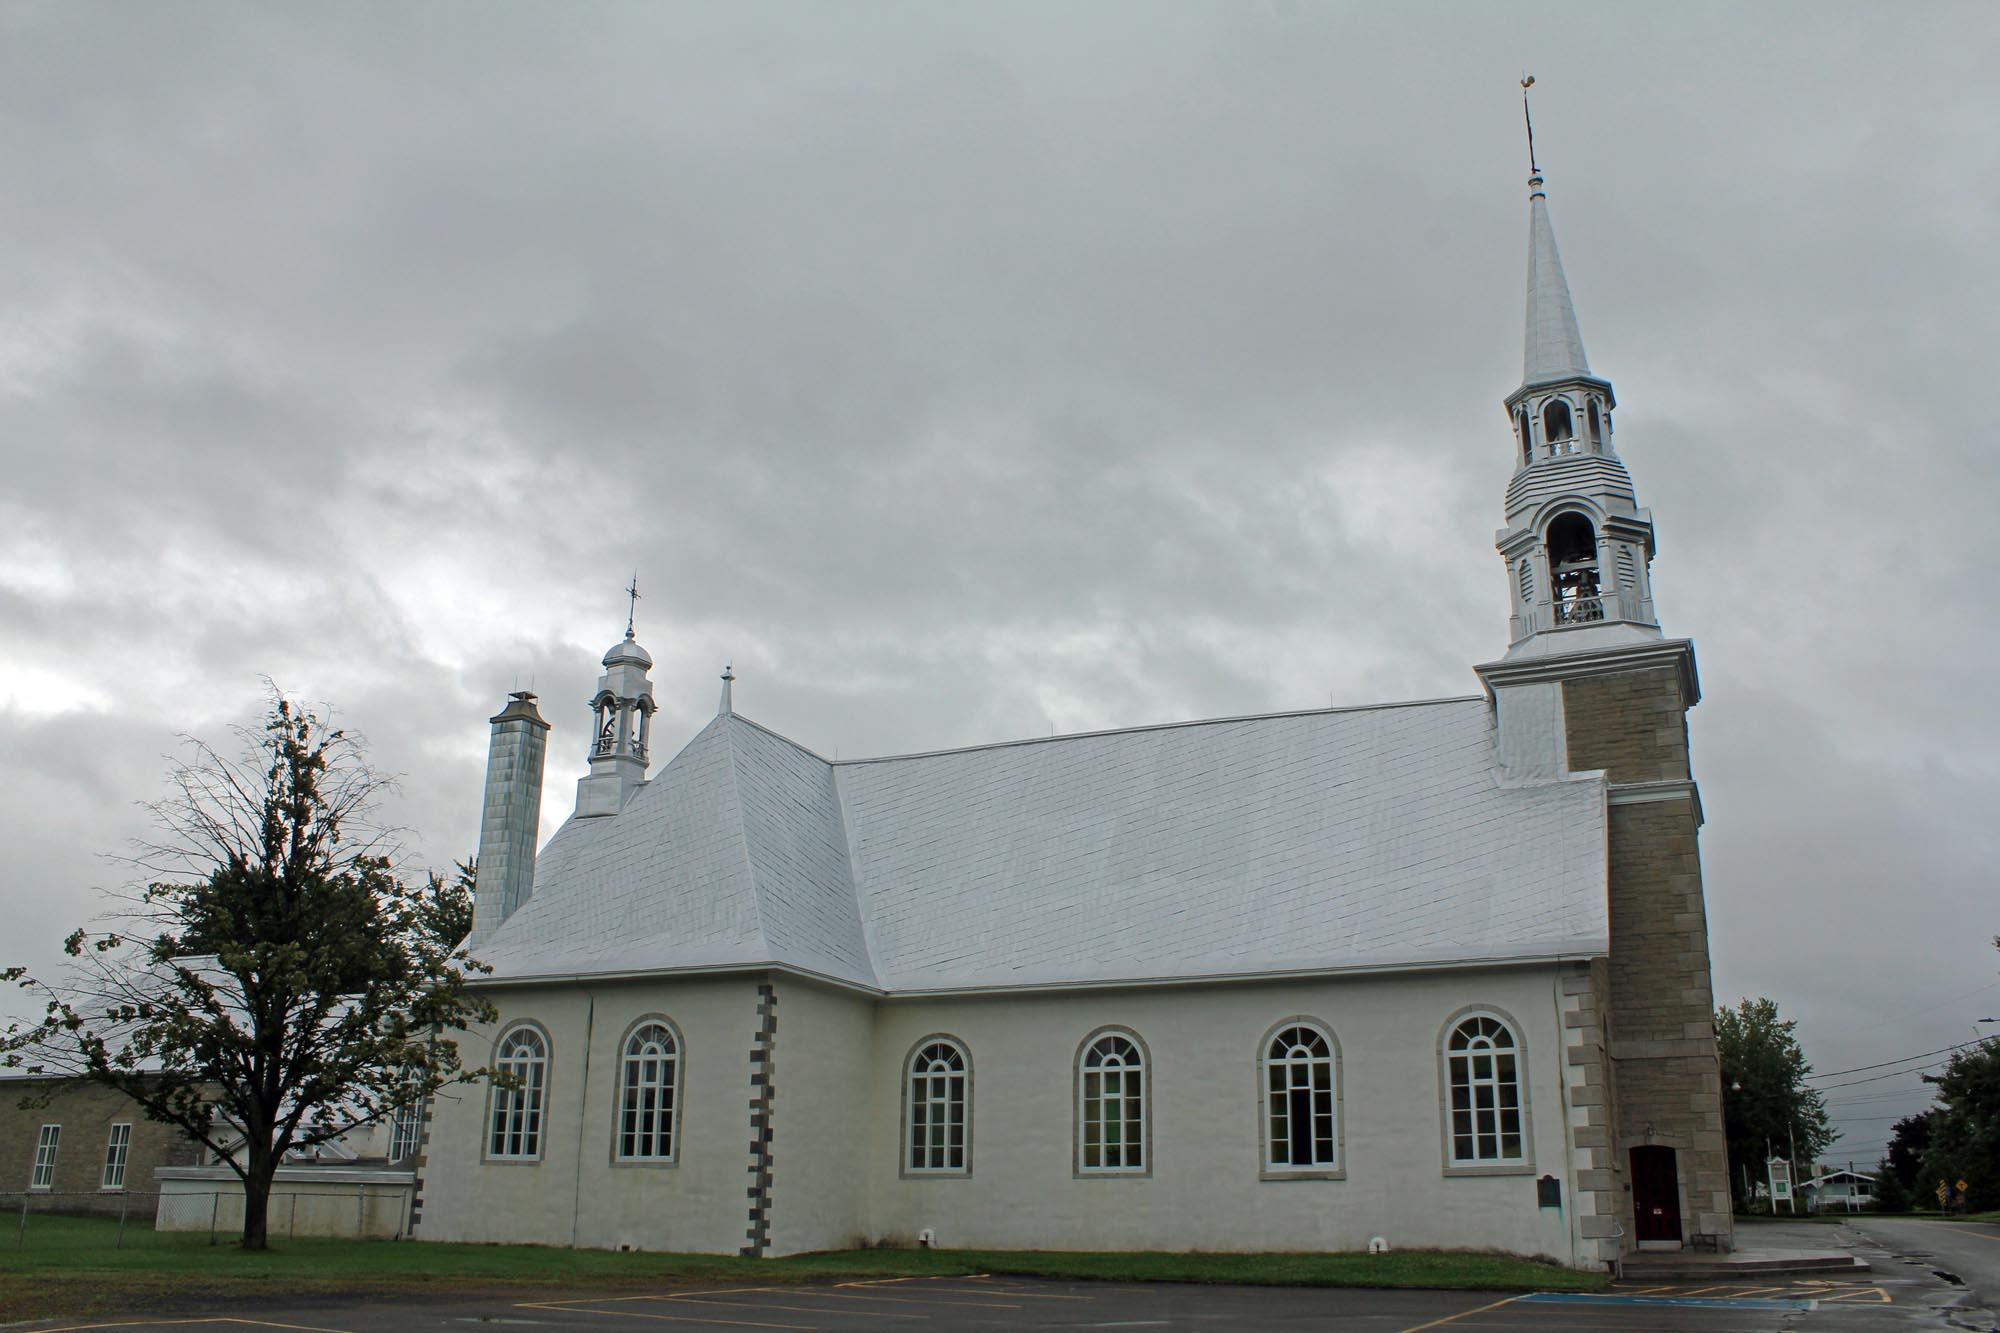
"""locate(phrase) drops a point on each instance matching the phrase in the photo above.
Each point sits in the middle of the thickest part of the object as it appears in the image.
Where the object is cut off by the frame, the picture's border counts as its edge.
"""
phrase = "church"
(1432, 972)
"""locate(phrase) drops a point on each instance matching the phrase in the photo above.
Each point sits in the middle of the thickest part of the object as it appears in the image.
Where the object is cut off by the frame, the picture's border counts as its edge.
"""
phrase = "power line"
(1858, 1069)
(1877, 1078)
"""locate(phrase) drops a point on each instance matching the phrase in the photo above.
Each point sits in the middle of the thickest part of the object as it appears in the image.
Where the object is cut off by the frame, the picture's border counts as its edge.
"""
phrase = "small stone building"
(1433, 971)
(80, 1147)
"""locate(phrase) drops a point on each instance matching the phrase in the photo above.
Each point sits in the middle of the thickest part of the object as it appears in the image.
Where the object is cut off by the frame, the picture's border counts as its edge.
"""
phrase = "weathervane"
(632, 605)
(1527, 82)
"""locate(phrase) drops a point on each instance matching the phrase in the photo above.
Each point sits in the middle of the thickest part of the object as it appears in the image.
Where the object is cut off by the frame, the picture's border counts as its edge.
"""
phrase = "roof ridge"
(1154, 726)
(739, 825)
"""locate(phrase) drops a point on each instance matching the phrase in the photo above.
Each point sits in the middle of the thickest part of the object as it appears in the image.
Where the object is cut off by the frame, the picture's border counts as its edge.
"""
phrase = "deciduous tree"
(1766, 1105)
(276, 983)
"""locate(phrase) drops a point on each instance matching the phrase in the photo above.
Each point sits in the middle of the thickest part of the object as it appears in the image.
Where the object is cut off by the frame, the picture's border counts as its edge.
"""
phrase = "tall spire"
(1554, 343)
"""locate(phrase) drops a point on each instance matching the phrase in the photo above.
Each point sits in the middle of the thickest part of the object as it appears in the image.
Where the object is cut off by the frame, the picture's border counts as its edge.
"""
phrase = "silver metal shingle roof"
(1359, 838)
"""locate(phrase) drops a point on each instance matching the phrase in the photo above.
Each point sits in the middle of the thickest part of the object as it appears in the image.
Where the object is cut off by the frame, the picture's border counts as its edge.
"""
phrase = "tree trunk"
(257, 1179)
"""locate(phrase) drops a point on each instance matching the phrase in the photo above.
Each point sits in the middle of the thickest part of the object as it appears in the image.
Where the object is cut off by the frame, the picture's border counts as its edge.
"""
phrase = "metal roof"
(1322, 841)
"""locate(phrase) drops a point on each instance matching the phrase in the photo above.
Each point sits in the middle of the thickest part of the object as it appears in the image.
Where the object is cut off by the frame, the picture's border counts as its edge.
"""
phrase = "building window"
(648, 1093)
(404, 1127)
(1300, 1117)
(1111, 1104)
(939, 1081)
(522, 1057)
(116, 1150)
(1482, 1065)
(45, 1158)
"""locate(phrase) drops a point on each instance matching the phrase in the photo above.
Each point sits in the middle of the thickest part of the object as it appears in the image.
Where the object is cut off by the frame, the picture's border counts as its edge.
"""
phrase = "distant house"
(74, 1146)
(1838, 1191)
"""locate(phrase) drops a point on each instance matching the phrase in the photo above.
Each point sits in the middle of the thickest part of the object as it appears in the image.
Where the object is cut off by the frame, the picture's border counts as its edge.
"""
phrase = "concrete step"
(1743, 1263)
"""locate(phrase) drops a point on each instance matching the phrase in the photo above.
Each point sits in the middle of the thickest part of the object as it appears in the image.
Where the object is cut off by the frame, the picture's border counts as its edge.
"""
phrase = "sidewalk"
(1761, 1248)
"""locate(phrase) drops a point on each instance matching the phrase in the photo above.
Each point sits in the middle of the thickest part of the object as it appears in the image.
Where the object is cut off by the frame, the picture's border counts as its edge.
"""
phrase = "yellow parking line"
(1454, 1318)
(641, 1313)
(773, 1305)
(267, 1323)
(1009, 1291)
(916, 1300)
(127, 1323)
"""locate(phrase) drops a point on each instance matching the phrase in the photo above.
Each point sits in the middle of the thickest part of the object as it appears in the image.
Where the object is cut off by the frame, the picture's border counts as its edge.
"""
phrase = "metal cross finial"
(1527, 82)
(632, 606)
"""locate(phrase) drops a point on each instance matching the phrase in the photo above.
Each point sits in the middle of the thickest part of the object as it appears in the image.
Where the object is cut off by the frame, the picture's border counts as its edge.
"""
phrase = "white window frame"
(646, 1117)
(47, 1142)
(406, 1131)
(117, 1152)
(1484, 1064)
(937, 1095)
(1279, 1077)
(1098, 1056)
(518, 1116)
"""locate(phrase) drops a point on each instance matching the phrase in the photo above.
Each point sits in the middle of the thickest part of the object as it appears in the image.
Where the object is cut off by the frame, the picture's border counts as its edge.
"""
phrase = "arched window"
(1596, 420)
(1111, 1104)
(1557, 427)
(1301, 1129)
(1482, 1069)
(522, 1057)
(1527, 444)
(1527, 583)
(935, 1126)
(649, 1084)
(1572, 544)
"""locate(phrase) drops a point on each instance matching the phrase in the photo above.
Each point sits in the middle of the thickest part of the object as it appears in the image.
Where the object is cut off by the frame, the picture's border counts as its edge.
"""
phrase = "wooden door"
(1656, 1194)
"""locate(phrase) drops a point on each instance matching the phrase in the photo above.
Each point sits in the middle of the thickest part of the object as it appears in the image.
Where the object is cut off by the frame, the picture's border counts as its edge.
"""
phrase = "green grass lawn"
(68, 1266)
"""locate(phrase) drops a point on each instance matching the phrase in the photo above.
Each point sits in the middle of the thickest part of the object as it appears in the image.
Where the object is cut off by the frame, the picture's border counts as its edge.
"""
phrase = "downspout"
(582, 1109)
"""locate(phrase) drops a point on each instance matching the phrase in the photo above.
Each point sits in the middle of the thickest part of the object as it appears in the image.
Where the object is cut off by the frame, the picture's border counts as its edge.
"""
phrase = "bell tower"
(1578, 547)
(621, 728)
(1589, 684)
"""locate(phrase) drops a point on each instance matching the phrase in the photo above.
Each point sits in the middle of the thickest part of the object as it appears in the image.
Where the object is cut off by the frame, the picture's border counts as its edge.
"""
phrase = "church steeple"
(1577, 545)
(1554, 343)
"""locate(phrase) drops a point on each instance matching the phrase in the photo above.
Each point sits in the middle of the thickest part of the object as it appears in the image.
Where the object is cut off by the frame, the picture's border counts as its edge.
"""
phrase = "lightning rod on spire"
(632, 604)
(1527, 82)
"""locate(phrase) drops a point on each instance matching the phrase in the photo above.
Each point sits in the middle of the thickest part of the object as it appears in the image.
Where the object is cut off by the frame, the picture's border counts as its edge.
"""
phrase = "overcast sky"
(967, 372)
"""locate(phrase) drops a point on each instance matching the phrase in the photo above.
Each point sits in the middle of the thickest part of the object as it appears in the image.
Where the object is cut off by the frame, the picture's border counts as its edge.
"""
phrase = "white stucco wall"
(837, 1121)
(1204, 1190)
(576, 1194)
(824, 1114)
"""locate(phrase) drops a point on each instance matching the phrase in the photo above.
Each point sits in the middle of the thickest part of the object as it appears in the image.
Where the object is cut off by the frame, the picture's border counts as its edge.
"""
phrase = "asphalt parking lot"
(997, 1303)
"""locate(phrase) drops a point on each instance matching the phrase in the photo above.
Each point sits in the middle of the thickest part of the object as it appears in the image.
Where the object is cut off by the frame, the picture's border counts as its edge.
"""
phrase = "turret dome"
(630, 653)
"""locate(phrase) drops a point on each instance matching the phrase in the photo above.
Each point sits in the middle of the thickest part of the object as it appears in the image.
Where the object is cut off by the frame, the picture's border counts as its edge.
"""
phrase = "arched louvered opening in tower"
(1572, 545)
(1595, 418)
(1526, 440)
(1558, 428)
(605, 733)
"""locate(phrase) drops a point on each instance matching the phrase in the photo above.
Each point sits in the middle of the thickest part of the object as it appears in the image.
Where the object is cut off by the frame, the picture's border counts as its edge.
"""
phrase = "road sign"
(1943, 1191)
(1961, 1187)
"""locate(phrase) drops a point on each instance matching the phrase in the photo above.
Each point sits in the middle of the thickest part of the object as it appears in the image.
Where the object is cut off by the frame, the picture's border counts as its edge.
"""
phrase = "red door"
(1656, 1194)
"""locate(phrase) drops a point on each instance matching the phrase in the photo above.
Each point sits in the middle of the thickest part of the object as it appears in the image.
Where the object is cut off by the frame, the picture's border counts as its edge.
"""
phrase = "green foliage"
(275, 983)
(1766, 1106)
(1965, 1128)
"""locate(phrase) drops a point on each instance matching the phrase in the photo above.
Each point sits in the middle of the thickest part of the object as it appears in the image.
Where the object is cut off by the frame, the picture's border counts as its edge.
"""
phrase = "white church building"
(1435, 971)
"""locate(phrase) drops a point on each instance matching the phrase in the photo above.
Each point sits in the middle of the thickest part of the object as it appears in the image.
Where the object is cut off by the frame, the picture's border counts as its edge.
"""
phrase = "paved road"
(1903, 1302)
(1969, 1252)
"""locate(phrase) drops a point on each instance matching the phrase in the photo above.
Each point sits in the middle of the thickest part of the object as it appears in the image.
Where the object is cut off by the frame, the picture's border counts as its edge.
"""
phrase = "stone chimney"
(511, 816)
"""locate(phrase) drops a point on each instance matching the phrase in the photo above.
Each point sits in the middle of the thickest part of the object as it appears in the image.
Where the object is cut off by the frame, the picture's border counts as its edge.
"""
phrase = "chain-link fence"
(131, 1219)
